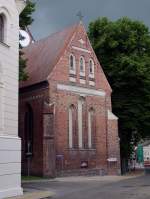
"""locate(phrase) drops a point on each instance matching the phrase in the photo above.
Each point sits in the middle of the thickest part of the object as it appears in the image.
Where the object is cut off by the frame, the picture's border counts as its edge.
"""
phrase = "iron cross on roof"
(79, 14)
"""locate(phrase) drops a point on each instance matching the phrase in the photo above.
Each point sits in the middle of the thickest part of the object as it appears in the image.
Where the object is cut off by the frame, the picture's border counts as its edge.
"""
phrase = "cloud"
(53, 15)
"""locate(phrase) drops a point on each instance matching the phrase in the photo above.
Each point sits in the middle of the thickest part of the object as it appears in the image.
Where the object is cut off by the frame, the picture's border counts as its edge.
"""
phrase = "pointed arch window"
(81, 103)
(72, 127)
(82, 66)
(29, 130)
(91, 128)
(91, 68)
(1, 28)
(72, 64)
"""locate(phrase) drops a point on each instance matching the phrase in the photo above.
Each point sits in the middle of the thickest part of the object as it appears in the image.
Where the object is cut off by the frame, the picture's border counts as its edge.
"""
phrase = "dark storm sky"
(53, 15)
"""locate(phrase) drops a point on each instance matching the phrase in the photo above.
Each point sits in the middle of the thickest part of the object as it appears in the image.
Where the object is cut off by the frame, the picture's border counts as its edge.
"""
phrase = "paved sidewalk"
(35, 195)
(58, 187)
(97, 187)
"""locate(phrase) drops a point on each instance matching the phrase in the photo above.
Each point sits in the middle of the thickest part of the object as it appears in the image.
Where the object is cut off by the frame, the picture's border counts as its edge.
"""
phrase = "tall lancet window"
(72, 127)
(1, 28)
(90, 127)
(1, 100)
(29, 130)
(91, 68)
(82, 66)
(80, 121)
(72, 64)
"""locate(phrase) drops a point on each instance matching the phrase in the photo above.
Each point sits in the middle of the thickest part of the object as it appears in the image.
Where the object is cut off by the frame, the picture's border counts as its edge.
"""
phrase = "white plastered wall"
(10, 143)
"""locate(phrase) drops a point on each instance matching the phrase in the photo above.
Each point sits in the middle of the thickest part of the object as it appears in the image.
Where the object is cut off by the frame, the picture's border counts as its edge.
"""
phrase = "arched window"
(90, 127)
(81, 103)
(1, 28)
(91, 68)
(1, 100)
(82, 66)
(1, 75)
(72, 64)
(72, 127)
(29, 130)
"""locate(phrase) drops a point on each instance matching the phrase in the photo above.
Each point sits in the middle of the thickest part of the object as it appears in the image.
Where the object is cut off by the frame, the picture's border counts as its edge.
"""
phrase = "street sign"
(140, 156)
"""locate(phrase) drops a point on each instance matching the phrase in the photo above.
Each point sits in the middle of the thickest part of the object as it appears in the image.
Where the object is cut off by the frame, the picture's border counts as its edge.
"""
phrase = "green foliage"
(22, 64)
(25, 20)
(26, 16)
(123, 49)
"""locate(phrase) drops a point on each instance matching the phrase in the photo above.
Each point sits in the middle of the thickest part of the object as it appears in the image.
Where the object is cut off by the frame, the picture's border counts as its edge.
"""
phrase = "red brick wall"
(68, 159)
(72, 158)
(49, 155)
(34, 98)
(113, 146)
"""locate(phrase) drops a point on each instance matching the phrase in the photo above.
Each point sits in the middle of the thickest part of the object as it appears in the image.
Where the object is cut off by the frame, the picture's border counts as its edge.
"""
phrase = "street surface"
(107, 187)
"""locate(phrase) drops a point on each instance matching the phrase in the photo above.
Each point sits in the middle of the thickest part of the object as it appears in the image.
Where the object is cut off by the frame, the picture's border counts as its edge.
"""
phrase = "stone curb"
(41, 180)
(70, 177)
(35, 195)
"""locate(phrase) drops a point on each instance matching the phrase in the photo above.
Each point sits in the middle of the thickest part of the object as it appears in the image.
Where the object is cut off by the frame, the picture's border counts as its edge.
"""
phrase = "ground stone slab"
(35, 195)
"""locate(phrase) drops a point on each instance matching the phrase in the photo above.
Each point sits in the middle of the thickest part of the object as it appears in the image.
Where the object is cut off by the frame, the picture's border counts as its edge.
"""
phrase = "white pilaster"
(10, 144)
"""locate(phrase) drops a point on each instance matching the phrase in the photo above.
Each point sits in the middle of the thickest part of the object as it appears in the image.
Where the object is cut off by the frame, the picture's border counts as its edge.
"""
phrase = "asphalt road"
(95, 187)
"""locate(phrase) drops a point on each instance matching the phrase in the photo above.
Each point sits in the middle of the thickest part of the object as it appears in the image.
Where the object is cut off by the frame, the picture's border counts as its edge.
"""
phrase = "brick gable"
(78, 43)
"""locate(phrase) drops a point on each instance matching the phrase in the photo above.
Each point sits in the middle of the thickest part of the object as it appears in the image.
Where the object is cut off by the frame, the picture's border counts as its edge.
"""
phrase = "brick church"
(66, 121)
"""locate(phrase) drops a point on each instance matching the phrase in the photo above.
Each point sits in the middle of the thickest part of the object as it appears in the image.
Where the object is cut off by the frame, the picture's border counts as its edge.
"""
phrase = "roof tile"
(43, 55)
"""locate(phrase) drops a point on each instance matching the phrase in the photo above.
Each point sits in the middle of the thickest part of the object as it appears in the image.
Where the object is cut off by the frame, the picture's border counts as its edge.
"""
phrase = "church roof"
(43, 55)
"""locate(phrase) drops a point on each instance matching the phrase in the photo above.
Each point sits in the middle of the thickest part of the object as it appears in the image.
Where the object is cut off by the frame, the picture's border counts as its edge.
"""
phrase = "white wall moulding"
(72, 72)
(81, 41)
(91, 75)
(72, 79)
(10, 166)
(82, 81)
(82, 74)
(20, 5)
(111, 116)
(11, 192)
(80, 90)
(91, 83)
(10, 144)
(9, 156)
(81, 49)
(112, 159)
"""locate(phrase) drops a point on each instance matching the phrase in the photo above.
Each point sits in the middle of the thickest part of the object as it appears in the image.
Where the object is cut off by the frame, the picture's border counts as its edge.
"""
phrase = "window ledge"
(72, 72)
(82, 74)
(4, 44)
(91, 75)
(79, 149)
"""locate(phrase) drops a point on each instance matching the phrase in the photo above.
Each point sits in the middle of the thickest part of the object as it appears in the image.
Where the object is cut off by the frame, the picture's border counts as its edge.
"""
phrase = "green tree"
(123, 49)
(25, 20)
